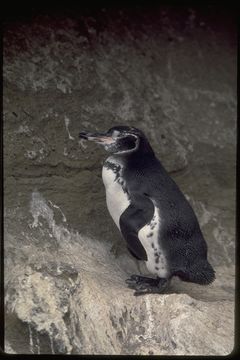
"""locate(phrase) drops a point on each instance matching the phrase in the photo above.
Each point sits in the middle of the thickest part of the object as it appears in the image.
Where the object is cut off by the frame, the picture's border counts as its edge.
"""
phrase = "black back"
(180, 234)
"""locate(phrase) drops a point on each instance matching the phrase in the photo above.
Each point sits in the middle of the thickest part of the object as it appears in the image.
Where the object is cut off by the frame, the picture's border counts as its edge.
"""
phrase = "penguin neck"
(145, 148)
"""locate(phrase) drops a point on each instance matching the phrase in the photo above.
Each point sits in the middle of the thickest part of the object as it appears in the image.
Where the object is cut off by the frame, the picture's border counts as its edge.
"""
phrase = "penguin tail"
(201, 272)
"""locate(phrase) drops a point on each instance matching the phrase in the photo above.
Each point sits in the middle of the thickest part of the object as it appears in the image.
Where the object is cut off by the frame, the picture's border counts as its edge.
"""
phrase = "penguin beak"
(100, 138)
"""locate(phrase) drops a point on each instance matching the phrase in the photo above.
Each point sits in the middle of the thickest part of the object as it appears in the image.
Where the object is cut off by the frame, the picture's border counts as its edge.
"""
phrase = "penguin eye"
(115, 134)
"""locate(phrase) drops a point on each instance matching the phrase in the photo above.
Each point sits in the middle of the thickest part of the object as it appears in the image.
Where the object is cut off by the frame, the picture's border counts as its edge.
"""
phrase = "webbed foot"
(146, 285)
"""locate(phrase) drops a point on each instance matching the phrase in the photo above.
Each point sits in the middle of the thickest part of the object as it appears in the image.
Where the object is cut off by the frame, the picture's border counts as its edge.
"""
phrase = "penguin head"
(120, 140)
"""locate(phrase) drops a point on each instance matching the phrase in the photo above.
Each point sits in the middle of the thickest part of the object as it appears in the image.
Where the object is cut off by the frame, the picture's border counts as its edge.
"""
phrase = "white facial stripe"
(132, 135)
(130, 150)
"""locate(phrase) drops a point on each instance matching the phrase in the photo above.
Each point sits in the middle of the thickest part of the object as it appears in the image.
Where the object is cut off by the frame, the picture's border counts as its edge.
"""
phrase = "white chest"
(116, 197)
(149, 237)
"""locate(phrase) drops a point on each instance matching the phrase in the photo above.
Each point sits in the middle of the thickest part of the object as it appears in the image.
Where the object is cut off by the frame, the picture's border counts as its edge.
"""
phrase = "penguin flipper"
(133, 254)
(138, 214)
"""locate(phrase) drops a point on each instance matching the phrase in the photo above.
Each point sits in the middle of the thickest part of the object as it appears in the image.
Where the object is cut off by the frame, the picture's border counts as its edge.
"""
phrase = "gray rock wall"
(170, 71)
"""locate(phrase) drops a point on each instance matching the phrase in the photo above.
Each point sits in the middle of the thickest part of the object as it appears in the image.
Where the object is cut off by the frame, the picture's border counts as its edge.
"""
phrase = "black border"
(23, 11)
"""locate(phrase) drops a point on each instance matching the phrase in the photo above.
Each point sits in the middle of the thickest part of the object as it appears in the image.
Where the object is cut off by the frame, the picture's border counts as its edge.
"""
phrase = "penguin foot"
(140, 280)
(146, 285)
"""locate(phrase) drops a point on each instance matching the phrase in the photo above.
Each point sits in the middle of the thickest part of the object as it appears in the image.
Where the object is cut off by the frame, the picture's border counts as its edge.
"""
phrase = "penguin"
(151, 212)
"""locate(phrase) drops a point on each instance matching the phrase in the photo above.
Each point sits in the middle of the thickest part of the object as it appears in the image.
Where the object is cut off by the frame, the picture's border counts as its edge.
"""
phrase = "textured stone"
(171, 72)
(73, 299)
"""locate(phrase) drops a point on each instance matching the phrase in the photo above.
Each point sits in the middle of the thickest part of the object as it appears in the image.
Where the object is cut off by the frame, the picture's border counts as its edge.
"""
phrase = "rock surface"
(169, 71)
